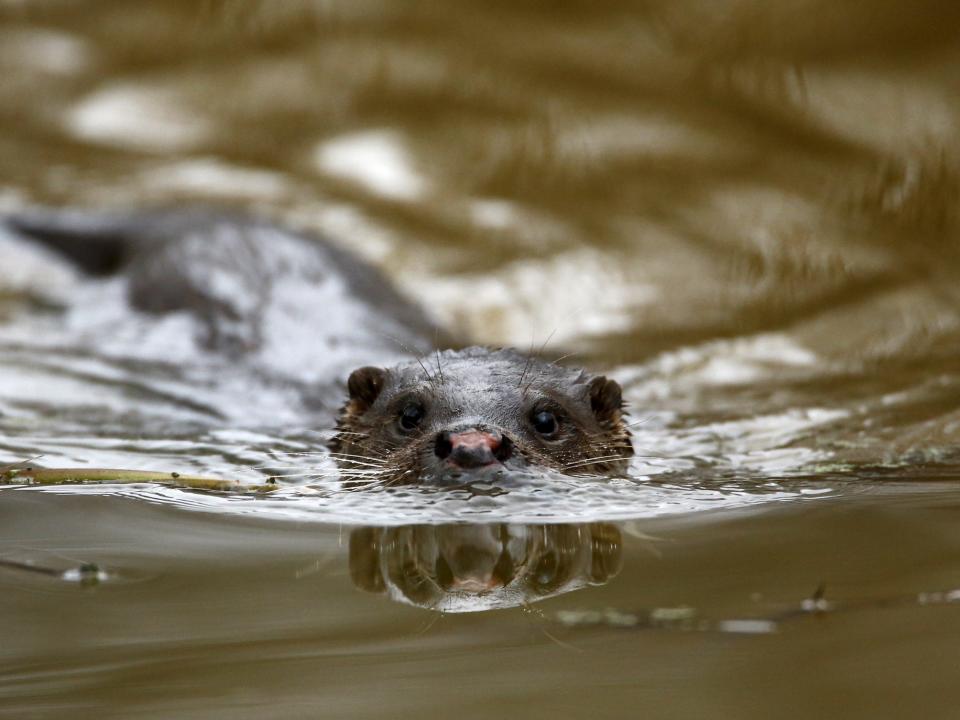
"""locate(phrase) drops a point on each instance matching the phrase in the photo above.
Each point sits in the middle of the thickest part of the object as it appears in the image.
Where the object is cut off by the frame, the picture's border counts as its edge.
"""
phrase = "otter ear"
(364, 385)
(606, 399)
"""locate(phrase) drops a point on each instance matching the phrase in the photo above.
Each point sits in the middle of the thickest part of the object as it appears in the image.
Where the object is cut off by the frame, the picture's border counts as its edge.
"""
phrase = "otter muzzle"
(473, 448)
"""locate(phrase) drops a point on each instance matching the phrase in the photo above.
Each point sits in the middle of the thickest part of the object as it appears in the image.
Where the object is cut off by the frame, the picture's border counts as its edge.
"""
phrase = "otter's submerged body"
(250, 286)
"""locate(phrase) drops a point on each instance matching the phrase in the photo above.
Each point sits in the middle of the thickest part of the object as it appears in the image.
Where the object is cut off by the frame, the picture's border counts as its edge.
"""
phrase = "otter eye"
(544, 422)
(411, 416)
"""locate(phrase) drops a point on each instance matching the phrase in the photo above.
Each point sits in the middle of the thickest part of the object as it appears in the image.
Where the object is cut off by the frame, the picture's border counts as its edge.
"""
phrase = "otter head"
(478, 411)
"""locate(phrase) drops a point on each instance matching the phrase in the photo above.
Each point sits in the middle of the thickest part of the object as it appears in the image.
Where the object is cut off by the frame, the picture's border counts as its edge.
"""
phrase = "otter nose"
(473, 448)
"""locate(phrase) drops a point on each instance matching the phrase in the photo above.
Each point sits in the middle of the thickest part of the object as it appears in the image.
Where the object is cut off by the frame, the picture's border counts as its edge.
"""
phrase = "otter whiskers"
(592, 461)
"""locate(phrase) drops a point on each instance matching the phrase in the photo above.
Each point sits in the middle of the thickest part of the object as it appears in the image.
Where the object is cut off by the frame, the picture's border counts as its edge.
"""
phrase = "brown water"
(747, 212)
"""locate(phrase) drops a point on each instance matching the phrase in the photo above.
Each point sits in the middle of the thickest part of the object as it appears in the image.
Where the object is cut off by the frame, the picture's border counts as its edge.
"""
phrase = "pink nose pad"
(474, 440)
(472, 448)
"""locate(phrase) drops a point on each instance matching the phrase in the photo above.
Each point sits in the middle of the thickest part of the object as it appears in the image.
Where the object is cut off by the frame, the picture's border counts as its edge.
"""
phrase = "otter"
(477, 413)
(274, 302)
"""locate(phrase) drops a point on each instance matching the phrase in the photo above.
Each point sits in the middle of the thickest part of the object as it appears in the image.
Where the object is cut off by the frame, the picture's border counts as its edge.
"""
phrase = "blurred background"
(631, 177)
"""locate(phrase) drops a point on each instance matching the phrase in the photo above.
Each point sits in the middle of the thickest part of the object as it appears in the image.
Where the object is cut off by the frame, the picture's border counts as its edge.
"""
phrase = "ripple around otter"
(150, 425)
(539, 500)
(309, 489)
(152, 416)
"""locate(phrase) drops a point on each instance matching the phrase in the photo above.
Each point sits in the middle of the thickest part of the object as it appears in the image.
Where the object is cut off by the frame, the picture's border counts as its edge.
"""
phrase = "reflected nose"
(473, 448)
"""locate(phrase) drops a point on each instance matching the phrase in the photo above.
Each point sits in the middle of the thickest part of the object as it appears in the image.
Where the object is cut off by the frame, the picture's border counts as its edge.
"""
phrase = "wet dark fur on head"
(393, 425)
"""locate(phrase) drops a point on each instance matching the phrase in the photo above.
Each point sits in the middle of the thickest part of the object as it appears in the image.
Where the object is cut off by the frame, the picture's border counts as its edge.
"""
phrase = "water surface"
(747, 214)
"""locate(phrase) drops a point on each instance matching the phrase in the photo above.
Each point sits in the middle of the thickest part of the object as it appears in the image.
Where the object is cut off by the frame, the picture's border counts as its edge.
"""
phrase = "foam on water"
(376, 160)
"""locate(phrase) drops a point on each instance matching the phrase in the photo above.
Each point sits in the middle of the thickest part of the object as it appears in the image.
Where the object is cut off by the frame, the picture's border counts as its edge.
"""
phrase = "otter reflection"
(466, 568)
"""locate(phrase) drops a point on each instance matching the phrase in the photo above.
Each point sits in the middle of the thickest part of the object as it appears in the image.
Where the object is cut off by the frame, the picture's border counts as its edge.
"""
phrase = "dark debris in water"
(85, 575)
(18, 474)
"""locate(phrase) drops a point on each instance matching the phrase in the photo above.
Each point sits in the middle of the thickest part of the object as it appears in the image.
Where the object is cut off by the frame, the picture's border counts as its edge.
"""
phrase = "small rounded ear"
(364, 385)
(606, 399)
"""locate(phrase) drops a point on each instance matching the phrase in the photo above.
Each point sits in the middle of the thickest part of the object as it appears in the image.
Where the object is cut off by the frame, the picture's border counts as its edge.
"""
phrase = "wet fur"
(493, 388)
